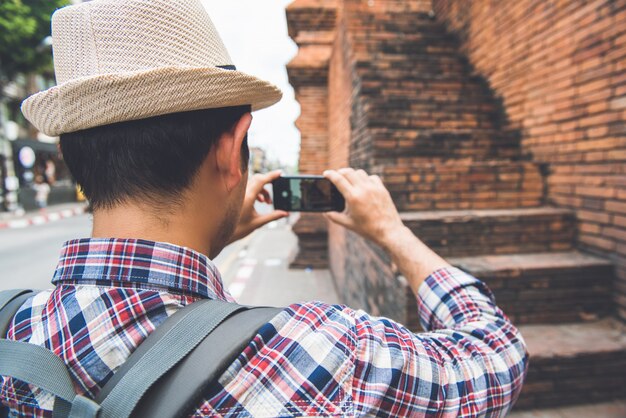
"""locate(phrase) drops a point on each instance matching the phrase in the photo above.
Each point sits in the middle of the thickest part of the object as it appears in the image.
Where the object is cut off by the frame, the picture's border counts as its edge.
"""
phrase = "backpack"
(166, 376)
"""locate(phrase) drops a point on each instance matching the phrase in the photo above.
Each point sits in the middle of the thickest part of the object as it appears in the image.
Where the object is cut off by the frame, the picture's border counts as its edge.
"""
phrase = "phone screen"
(307, 194)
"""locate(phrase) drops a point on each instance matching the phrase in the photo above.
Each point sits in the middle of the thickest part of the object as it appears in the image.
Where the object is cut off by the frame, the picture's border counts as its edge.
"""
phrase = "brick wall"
(397, 6)
(361, 270)
(560, 69)
(312, 26)
(477, 141)
(339, 125)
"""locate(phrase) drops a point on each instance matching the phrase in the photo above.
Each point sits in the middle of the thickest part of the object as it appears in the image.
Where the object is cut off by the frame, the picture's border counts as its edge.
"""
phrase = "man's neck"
(133, 221)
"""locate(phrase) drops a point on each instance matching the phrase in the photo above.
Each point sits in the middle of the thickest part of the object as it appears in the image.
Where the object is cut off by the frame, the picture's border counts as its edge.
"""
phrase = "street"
(254, 269)
(28, 256)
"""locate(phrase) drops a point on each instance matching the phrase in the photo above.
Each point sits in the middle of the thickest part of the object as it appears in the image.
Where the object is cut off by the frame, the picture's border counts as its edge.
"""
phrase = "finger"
(271, 176)
(347, 172)
(260, 180)
(273, 216)
(267, 195)
(376, 179)
(264, 196)
(353, 176)
(362, 176)
(342, 184)
(340, 219)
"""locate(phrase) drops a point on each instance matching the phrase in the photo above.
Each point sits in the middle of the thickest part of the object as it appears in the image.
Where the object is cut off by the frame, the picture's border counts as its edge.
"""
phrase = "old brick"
(617, 207)
(447, 122)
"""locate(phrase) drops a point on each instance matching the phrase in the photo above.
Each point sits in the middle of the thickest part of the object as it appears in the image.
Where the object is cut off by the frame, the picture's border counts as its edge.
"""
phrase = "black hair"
(152, 159)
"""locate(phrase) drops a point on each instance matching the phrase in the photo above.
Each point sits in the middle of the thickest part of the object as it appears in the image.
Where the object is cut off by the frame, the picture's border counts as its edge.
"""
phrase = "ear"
(228, 152)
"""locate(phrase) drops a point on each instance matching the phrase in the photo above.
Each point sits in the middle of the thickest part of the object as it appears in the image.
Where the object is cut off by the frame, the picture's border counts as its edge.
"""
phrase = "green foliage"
(24, 24)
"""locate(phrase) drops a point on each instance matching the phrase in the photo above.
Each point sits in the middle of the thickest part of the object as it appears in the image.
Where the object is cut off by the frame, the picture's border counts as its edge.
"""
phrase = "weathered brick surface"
(545, 287)
(560, 68)
(612, 409)
(312, 26)
(480, 232)
(423, 100)
(463, 184)
(574, 363)
(380, 292)
(476, 118)
(311, 230)
(311, 19)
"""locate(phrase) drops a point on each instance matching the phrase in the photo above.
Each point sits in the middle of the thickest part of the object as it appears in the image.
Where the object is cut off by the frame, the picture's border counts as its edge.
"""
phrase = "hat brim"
(109, 98)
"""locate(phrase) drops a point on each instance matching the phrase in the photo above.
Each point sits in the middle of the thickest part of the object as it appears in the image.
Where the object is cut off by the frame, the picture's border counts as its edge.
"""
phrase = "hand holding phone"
(307, 194)
(370, 212)
(250, 219)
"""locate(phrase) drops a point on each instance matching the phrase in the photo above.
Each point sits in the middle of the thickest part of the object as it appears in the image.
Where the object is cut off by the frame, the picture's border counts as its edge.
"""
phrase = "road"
(28, 256)
(255, 269)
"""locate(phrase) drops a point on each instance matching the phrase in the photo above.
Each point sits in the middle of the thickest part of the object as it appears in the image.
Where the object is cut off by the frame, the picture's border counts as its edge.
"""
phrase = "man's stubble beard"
(229, 223)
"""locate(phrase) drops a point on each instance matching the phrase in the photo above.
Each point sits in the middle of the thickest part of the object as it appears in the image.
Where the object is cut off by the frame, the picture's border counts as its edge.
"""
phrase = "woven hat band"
(117, 36)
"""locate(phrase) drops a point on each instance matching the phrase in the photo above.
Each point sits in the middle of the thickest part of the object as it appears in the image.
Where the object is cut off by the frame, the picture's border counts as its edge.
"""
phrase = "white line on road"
(39, 220)
(19, 223)
(240, 281)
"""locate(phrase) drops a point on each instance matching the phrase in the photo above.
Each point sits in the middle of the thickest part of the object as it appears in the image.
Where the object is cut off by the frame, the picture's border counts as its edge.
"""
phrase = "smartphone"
(307, 194)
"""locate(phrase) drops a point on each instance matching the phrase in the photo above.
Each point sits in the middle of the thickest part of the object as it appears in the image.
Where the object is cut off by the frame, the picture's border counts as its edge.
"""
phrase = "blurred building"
(258, 160)
(500, 130)
(26, 153)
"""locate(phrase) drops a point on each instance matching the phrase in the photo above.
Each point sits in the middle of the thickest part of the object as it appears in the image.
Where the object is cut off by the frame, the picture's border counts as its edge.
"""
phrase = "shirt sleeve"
(471, 361)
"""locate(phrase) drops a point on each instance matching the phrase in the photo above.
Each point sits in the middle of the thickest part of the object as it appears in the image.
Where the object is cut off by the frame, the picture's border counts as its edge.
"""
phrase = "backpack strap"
(40, 367)
(10, 303)
(167, 349)
(181, 390)
(7, 296)
(35, 364)
(198, 320)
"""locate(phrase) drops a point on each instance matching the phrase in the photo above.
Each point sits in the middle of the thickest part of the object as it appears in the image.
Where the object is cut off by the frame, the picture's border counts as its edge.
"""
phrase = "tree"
(24, 24)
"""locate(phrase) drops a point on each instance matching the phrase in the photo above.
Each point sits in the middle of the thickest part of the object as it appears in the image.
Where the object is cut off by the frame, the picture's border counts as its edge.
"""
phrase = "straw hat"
(118, 60)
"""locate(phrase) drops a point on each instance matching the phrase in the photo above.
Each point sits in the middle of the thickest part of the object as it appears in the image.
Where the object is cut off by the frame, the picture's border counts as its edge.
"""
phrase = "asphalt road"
(28, 256)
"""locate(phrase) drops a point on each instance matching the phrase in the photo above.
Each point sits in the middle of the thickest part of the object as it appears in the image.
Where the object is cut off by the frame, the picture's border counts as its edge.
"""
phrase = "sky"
(255, 34)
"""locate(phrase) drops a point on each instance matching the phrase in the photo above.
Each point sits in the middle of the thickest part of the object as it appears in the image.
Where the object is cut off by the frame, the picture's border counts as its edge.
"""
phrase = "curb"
(41, 219)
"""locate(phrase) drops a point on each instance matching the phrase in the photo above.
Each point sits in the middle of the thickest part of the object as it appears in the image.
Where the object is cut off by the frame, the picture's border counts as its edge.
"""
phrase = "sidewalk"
(256, 271)
(50, 214)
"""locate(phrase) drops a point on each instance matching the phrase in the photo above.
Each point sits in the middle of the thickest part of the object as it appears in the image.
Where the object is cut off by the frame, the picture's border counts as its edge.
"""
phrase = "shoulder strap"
(10, 303)
(198, 321)
(177, 337)
(35, 364)
(40, 367)
(183, 388)
(7, 296)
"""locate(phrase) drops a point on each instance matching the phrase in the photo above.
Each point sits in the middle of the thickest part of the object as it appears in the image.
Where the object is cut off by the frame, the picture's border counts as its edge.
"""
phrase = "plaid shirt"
(312, 359)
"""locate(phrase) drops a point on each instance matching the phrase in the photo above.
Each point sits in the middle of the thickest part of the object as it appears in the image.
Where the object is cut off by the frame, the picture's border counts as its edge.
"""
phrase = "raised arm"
(471, 362)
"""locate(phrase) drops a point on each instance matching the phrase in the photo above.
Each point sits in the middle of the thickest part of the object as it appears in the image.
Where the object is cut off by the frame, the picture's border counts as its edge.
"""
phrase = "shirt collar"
(130, 262)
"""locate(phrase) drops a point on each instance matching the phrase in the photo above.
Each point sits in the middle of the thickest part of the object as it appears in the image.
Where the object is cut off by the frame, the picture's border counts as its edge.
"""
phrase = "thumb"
(340, 219)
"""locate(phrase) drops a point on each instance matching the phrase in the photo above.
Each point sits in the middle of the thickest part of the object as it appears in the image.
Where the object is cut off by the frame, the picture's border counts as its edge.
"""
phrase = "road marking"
(240, 280)
(19, 223)
(226, 265)
(38, 220)
(273, 262)
(41, 219)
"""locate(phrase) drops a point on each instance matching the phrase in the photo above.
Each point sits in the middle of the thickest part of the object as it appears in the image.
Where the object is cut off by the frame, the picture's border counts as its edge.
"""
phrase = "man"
(153, 120)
